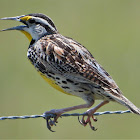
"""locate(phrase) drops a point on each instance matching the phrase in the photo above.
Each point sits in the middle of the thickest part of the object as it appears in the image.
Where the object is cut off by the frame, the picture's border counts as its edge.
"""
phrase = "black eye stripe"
(38, 23)
(31, 21)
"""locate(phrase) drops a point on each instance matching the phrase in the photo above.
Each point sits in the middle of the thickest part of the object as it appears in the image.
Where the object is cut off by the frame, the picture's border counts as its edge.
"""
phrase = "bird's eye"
(31, 21)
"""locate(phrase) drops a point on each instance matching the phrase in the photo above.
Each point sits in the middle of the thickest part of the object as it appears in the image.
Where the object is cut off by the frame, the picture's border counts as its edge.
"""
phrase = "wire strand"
(63, 115)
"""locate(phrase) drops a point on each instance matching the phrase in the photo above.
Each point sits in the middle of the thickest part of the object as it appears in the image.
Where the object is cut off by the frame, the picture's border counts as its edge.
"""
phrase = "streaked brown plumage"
(69, 67)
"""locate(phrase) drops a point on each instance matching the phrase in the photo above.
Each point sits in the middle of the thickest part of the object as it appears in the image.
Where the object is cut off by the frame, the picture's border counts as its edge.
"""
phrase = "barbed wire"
(63, 115)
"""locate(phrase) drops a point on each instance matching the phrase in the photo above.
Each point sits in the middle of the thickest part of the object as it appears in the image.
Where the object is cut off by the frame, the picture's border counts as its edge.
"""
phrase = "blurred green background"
(110, 29)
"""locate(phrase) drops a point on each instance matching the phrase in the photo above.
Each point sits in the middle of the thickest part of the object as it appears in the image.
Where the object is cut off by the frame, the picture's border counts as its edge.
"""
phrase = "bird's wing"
(71, 58)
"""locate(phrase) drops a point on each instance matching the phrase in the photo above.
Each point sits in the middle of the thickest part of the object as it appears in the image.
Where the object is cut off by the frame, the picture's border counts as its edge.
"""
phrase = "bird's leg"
(90, 113)
(58, 112)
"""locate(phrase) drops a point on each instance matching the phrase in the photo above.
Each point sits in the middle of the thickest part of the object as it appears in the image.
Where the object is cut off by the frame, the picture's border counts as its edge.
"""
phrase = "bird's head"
(35, 25)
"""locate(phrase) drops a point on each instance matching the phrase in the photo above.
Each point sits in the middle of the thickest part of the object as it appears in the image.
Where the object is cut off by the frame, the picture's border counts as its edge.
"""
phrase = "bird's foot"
(55, 114)
(90, 116)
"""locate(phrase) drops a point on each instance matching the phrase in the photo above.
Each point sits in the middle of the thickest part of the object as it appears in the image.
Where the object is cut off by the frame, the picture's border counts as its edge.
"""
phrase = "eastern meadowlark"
(68, 66)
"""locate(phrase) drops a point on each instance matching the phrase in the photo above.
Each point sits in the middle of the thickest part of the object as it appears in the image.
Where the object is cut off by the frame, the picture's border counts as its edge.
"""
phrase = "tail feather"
(129, 105)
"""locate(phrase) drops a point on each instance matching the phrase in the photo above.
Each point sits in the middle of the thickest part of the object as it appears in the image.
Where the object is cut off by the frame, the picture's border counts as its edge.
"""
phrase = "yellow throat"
(27, 35)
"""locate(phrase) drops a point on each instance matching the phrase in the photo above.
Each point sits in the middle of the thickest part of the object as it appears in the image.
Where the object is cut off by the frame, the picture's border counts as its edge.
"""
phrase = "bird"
(68, 67)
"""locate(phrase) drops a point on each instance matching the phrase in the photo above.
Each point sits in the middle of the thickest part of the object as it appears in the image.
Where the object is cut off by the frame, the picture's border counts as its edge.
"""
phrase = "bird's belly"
(70, 87)
(66, 85)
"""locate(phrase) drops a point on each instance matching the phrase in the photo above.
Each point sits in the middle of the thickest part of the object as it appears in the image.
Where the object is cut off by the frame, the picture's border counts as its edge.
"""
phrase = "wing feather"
(68, 56)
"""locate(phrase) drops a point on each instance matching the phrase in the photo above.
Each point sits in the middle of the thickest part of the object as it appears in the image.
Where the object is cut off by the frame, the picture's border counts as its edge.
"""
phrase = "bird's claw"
(82, 121)
(48, 117)
(50, 122)
(87, 121)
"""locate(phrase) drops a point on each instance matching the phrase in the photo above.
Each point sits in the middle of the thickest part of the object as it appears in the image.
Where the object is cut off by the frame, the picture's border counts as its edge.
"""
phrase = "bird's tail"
(124, 101)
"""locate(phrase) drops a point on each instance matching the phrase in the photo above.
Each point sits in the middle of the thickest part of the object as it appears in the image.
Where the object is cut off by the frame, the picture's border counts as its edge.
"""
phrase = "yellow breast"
(53, 83)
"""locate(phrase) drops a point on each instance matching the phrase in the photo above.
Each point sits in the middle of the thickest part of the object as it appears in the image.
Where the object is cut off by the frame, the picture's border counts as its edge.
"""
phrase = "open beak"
(20, 27)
